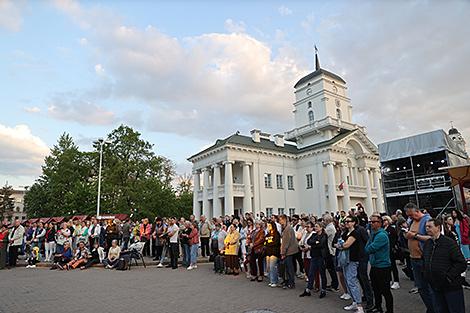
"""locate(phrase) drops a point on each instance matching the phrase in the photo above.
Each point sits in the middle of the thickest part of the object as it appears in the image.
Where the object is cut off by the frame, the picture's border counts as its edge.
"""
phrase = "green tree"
(134, 179)
(7, 202)
(65, 186)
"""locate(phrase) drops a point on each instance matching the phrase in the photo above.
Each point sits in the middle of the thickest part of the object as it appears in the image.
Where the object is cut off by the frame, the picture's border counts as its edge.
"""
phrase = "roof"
(266, 144)
(429, 142)
(318, 73)
(79, 218)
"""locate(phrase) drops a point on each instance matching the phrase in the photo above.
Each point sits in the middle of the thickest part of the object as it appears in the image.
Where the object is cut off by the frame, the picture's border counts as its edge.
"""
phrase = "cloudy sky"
(185, 73)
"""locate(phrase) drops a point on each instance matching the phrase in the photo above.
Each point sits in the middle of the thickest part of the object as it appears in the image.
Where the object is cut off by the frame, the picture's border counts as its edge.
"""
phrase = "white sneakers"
(272, 285)
(345, 296)
(160, 265)
(192, 267)
(30, 266)
(351, 307)
(395, 285)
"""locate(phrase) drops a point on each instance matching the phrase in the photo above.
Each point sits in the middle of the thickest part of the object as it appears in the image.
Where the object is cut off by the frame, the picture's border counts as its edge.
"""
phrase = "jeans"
(186, 254)
(194, 248)
(449, 301)
(271, 262)
(124, 244)
(364, 281)
(290, 272)
(422, 284)
(352, 282)
(317, 264)
(380, 280)
(50, 250)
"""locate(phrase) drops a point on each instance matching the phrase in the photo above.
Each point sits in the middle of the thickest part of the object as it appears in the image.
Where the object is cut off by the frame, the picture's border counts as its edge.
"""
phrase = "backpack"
(122, 264)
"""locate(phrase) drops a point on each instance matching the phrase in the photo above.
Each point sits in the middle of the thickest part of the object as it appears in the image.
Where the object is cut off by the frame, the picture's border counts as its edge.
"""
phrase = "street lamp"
(101, 142)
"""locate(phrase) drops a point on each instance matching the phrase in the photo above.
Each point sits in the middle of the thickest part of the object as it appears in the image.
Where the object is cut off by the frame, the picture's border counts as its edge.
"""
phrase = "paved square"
(163, 290)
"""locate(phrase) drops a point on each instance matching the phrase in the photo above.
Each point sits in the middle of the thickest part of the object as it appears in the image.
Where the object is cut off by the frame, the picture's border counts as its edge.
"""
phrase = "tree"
(65, 186)
(7, 202)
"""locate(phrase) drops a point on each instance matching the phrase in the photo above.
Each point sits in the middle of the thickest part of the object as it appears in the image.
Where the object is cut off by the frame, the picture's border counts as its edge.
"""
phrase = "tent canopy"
(425, 143)
(460, 174)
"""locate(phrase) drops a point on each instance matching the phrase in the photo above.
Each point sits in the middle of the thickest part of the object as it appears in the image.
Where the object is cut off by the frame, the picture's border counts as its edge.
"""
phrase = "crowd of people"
(347, 253)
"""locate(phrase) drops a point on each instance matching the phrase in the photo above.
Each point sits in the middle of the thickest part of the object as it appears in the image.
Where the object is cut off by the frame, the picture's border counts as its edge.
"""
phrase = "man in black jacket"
(443, 266)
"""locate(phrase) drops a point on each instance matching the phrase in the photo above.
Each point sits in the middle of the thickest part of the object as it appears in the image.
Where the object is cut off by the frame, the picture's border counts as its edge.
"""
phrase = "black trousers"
(13, 255)
(146, 251)
(205, 250)
(298, 259)
(330, 266)
(394, 269)
(174, 255)
(257, 264)
(364, 281)
(380, 280)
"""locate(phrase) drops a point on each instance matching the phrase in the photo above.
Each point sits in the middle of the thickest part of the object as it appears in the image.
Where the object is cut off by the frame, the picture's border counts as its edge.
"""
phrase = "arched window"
(311, 117)
(338, 113)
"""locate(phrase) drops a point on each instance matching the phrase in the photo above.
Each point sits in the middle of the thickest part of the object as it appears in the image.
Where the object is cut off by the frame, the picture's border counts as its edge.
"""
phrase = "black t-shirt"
(356, 250)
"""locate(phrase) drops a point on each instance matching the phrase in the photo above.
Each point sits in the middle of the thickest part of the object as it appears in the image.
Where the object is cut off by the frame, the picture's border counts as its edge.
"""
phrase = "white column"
(346, 198)
(228, 187)
(256, 190)
(320, 190)
(215, 191)
(332, 187)
(197, 187)
(378, 185)
(369, 206)
(247, 207)
(205, 192)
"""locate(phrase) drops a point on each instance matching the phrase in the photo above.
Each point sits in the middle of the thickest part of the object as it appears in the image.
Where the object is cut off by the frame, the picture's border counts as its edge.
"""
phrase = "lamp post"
(101, 143)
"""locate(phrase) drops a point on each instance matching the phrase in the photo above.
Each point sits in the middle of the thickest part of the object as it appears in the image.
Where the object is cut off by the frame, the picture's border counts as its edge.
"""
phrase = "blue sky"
(185, 73)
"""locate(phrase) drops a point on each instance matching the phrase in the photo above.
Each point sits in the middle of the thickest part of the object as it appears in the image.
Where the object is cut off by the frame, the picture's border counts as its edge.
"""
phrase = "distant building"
(18, 211)
(410, 169)
(326, 163)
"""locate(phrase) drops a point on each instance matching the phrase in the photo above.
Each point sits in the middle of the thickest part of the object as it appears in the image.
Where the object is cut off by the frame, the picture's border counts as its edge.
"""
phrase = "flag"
(341, 186)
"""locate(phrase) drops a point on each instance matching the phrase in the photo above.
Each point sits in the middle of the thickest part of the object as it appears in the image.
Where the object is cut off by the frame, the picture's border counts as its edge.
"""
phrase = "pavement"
(164, 290)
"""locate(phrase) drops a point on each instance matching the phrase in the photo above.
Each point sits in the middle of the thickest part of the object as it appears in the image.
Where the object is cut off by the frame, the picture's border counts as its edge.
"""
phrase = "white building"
(326, 163)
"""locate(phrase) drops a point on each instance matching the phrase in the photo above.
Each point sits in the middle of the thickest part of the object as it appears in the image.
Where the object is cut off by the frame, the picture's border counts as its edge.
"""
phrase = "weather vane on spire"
(317, 60)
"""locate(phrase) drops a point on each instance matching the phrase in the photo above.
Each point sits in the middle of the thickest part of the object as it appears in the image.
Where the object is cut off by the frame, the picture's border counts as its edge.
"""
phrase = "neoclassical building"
(326, 163)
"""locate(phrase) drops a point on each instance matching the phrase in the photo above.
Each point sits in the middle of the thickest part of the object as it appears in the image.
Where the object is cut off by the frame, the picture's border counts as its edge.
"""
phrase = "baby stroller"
(135, 253)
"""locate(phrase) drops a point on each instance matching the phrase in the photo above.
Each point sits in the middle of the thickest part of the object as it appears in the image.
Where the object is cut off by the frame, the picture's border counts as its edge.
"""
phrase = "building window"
(309, 181)
(291, 211)
(279, 182)
(290, 182)
(280, 211)
(269, 212)
(338, 113)
(267, 181)
(309, 104)
(311, 117)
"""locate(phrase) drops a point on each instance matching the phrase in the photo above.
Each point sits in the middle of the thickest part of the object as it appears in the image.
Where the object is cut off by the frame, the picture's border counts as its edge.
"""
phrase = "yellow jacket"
(231, 243)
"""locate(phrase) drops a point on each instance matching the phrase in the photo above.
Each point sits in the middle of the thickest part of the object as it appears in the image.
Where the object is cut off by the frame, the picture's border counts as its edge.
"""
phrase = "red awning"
(57, 219)
(79, 218)
(44, 219)
(122, 217)
(32, 220)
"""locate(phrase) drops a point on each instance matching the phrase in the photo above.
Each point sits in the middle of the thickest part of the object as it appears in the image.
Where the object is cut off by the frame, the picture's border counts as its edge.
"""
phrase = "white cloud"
(407, 72)
(83, 41)
(21, 153)
(198, 85)
(71, 108)
(234, 27)
(284, 11)
(99, 70)
(11, 14)
(32, 109)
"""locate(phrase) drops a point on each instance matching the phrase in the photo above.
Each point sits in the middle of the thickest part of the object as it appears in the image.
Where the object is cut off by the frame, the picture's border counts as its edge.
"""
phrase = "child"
(34, 258)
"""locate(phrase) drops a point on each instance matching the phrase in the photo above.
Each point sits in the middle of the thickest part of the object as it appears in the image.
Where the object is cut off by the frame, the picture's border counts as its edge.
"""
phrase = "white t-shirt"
(173, 228)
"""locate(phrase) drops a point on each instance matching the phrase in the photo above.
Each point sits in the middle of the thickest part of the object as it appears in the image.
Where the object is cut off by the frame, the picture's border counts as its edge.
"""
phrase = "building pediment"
(358, 141)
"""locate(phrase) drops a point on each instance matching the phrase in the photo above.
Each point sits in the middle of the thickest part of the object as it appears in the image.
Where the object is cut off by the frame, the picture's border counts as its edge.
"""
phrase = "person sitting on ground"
(80, 257)
(62, 258)
(34, 258)
(113, 255)
(96, 256)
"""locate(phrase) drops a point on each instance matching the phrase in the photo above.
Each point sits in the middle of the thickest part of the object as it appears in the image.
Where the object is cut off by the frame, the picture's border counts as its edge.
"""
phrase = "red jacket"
(145, 231)
(193, 237)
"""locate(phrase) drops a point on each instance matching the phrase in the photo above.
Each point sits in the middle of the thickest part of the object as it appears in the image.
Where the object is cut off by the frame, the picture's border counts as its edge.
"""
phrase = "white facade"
(327, 162)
